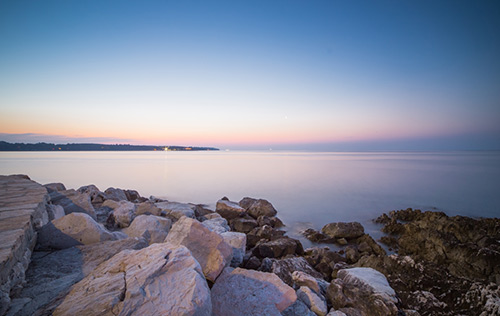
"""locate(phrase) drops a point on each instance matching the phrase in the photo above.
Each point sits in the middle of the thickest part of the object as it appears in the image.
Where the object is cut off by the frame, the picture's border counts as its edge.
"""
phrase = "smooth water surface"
(307, 189)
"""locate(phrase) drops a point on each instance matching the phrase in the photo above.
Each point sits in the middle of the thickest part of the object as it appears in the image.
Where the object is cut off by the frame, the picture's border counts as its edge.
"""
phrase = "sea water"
(309, 189)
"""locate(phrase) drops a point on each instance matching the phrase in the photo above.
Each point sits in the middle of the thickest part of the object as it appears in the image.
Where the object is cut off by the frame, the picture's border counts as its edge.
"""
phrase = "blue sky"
(253, 74)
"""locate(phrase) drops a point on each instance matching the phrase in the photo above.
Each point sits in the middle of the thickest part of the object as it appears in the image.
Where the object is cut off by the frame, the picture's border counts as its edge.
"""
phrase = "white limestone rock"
(153, 228)
(72, 230)
(208, 247)
(249, 292)
(161, 279)
(52, 274)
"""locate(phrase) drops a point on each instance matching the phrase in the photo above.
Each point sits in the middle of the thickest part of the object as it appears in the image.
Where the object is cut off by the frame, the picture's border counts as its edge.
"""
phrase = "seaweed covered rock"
(467, 247)
(365, 290)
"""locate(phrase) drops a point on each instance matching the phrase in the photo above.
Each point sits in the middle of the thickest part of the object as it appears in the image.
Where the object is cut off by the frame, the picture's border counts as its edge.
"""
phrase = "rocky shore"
(114, 252)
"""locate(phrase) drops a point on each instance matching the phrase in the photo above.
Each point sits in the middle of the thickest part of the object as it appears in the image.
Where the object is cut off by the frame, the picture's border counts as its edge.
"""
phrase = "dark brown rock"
(365, 290)
(323, 260)
(262, 233)
(229, 210)
(274, 222)
(278, 248)
(243, 225)
(258, 207)
(466, 246)
(348, 230)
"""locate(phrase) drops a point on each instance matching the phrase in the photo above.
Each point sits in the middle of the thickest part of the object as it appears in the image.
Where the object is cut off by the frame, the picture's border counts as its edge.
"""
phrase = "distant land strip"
(5, 146)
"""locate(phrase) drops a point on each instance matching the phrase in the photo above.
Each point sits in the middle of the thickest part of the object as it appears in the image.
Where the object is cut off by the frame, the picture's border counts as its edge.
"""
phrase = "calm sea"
(308, 189)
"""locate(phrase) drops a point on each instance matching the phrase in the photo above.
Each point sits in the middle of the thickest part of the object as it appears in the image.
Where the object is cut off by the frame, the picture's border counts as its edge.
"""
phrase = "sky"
(321, 75)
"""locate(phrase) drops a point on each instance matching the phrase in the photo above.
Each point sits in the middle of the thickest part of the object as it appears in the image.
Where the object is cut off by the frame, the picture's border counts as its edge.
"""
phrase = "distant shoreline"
(5, 146)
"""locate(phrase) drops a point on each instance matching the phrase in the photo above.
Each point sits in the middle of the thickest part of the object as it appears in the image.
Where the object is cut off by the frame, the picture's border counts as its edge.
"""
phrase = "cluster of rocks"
(117, 253)
(441, 265)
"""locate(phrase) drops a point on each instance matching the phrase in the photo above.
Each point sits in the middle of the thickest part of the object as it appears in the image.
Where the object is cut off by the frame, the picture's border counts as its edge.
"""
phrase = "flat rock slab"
(22, 209)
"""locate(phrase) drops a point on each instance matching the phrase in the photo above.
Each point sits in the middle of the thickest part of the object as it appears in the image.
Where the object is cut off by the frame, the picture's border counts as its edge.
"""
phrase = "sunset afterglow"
(251, 74)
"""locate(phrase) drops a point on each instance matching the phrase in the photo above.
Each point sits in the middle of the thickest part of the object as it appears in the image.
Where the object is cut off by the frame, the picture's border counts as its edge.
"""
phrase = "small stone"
(312, 300)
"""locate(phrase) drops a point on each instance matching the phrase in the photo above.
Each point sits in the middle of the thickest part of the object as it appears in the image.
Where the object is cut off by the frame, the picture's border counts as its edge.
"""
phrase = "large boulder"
(123, 213)
(152, 228)
(161, 279)
(72, 230)
(348, 230)
(73, 202)
(248, 292)
(115, 194)
(229, 210)
(364, 289)
(176, 210)
(208, 247)
(51, 274)
(258, 207)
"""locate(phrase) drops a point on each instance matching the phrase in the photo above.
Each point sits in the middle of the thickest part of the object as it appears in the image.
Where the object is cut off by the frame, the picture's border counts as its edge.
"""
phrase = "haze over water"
(305, 187)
